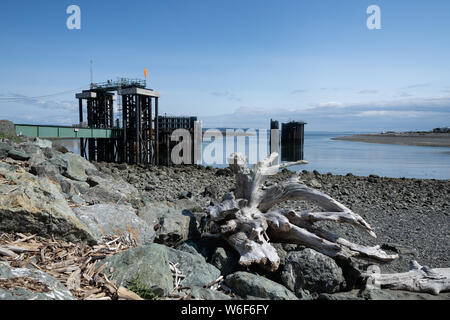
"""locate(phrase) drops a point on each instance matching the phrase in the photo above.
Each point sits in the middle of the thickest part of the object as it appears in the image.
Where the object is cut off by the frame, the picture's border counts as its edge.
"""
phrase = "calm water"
(341, 157)
(360, 158)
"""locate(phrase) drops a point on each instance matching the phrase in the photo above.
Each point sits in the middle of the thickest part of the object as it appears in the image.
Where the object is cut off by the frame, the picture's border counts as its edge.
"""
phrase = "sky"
(235, 63)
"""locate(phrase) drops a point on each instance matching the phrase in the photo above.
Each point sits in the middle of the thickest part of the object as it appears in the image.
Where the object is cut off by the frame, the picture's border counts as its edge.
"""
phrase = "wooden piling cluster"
(167, 125)
(292, 141)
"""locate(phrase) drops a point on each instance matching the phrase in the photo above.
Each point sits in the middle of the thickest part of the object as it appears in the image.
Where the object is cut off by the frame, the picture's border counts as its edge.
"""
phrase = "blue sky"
(236, 63)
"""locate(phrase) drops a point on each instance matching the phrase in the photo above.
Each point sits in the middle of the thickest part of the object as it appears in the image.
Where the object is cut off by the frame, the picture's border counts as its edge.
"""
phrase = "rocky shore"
(428, 139)
(50, 198)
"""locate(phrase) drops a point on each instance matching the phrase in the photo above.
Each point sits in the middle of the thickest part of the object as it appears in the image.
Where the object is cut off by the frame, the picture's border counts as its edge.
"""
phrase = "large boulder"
(350, 295)
(108, 190)
(27, 284)
(173, 225)
(248, 285)
(31, 204)
(115, 220)
(72, 166)
(196, 270)
(313, 271)
(18, 154)
(77, 167)
(200, 293)
(7, 129)
(35, 149)
(145, 267)
(5, 147)
(148, 268)
(386, 294)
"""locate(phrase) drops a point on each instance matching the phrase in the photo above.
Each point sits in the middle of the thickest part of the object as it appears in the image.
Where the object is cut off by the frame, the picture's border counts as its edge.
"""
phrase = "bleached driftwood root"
(418, 279)
(247, 222)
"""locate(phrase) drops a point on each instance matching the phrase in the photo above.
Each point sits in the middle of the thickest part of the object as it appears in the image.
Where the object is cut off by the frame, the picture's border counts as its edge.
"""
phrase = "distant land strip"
(406, 139)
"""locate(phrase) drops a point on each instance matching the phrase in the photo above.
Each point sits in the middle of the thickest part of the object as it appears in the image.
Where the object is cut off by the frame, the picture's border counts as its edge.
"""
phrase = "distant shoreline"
(441, 140)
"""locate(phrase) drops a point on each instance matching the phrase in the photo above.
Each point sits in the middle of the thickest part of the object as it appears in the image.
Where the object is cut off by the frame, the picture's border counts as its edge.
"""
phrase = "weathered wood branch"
(418, 279)
(246, 221)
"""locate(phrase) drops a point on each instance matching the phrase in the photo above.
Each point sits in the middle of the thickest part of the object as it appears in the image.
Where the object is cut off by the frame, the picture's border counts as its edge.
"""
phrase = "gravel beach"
(151, 224)
(407, 139)
(409, 216)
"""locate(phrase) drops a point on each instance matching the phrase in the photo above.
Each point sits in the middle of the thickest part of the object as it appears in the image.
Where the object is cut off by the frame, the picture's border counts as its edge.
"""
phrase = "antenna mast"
(92, 74)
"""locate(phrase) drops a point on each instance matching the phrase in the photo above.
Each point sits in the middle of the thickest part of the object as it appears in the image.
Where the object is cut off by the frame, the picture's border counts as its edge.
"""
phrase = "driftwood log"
(247, 221)
(418, 279)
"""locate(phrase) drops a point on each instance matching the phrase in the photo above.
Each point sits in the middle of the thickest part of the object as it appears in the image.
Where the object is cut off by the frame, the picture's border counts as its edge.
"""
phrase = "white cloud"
(368, 91)
(387, 113)
(228, 95)
(409, 114)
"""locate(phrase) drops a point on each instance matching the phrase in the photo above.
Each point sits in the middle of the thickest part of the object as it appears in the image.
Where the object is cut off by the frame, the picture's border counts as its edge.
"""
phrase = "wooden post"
(157, 131)
(275, 138)
(197, 143)
(80, 105)
(138, 129)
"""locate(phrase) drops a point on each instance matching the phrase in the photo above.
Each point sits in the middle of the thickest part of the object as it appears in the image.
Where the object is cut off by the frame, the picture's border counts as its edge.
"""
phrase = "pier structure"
(142, 130)
(137, 143)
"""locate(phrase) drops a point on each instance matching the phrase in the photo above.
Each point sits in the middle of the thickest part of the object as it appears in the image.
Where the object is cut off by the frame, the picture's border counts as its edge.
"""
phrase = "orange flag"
(145, 72)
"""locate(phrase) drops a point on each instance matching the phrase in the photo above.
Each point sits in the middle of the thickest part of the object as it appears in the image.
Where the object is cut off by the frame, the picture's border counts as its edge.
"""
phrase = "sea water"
(359, 158)
(363, 159)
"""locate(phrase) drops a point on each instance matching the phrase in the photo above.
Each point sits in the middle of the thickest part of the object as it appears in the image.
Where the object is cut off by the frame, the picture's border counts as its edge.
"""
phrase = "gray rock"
(212, 191)
(189, 247)
(315, 184)
(174, 229)
(115, 220)
(76, 167)
(186, 195)
(46, 170)
(197, 271)
(351, 295)
(200, 293)
(224, 260)
(41, 143)
(386, 294)
(68, 186)
(247, 284)
(49, 153)
(4, 148)
(313, 271)
(18, 155)
(173, 225)
(76, 199)
(31, 204)
(80, 186)
(27, 284)
(145, 267)
(115, 191)
(7, 129)
(71, 165)
(188, 204)
(34, 152)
